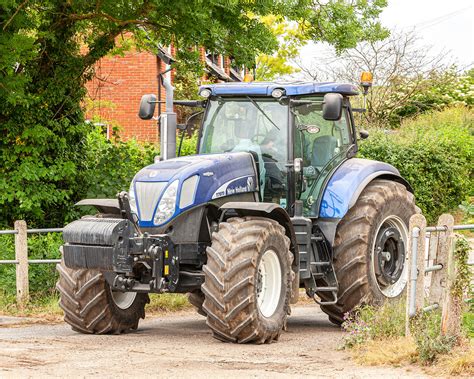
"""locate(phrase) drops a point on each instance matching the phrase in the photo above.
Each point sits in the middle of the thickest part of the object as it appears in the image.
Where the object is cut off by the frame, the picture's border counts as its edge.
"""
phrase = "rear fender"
(345, 186)
(277, 213)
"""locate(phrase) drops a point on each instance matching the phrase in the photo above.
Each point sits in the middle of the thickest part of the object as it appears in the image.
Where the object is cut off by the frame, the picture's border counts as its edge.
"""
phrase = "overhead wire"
(437, 20)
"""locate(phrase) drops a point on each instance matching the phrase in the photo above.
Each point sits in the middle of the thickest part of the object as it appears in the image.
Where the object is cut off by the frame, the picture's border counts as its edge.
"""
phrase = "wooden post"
(21, 255)
(452, 306)
(419, 221)
(432, 254)
(438, 278)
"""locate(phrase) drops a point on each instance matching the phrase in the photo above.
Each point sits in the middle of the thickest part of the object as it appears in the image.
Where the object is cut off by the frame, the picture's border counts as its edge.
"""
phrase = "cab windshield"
(256, 125)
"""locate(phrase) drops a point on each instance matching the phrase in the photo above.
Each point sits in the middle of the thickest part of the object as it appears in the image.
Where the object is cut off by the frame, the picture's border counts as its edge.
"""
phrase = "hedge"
(434, 152)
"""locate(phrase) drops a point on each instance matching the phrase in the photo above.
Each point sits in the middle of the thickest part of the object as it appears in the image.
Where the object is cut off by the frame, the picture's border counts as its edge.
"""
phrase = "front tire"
(248, 280)
(91, 307)
(369, 248)
(196, 299)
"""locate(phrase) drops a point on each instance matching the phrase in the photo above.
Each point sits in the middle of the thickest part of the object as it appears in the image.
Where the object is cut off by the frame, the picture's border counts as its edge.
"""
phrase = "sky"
(447, 26)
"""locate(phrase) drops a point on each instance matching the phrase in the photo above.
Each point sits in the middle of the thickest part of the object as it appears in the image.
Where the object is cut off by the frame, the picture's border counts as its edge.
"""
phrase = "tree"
(402, 66)
(291, 38)
(48, 51)
(341, 24)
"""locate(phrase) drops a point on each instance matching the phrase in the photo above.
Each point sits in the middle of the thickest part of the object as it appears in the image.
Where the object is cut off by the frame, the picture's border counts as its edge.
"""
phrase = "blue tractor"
(274, 201)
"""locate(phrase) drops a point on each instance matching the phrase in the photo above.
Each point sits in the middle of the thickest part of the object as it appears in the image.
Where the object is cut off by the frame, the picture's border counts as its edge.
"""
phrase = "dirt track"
(181, 346)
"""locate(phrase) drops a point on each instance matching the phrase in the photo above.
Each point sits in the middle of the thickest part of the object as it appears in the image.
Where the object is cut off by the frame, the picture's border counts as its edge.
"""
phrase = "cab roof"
(291, 88)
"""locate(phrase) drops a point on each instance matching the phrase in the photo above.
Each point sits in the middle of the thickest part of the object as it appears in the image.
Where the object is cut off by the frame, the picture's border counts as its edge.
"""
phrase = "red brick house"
(120, 81)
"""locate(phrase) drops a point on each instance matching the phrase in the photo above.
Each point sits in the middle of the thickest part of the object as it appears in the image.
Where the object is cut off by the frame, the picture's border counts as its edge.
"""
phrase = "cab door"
(322, 145)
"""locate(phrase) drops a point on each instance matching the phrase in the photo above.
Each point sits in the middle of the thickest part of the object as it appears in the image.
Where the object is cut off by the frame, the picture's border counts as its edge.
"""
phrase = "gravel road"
(180, 346)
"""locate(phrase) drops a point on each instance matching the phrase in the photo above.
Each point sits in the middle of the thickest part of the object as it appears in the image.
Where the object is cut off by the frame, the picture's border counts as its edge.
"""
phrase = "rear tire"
(248, 280)
(383, 207)
(91, 307)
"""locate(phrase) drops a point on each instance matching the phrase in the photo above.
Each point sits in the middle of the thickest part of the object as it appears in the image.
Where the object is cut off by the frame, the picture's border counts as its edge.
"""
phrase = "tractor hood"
(163, 190)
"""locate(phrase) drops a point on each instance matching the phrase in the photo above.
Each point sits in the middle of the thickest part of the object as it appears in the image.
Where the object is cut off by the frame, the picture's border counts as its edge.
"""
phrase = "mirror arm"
(191, 103)
(185, 129)
(181, 142)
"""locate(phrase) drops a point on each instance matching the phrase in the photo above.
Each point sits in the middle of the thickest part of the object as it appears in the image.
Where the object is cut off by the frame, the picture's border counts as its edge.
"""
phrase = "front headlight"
(133, 201)
(167, 205)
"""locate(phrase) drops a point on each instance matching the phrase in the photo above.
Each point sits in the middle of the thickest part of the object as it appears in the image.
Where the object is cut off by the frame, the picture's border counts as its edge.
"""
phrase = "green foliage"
(167, 302)
(109, 166)
(344, 23)
(189, 146)
(45, 307)
(462, 287)
(434, 152)
(468, 209)
(368, 323)
(468, 322)
(425, 329)
(291, 38)
(436, 92)
(462, 284)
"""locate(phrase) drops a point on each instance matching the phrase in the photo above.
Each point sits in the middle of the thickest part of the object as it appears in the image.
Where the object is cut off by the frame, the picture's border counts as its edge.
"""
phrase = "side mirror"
(364, 134)
(147, 107)
(332, 106)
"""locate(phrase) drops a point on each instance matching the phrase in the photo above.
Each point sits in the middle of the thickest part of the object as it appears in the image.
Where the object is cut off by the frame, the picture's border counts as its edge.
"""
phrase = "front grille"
(147, 195)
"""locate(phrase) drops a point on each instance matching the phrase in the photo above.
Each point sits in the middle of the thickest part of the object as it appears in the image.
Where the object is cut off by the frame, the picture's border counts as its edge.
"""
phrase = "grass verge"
(376, 336)
(42, 309)
(167, 302)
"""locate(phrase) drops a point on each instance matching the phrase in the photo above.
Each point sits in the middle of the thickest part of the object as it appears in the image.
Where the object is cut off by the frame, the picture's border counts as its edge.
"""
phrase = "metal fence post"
(415, 262)
(21, 255)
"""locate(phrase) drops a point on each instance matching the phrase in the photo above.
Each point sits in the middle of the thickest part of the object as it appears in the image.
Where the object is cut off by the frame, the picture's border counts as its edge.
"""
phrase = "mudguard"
(270, 210)
(345, 186)
(102, 205)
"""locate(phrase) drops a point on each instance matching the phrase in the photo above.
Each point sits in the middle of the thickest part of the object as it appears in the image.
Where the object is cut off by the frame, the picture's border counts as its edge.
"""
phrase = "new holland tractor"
(274, 201)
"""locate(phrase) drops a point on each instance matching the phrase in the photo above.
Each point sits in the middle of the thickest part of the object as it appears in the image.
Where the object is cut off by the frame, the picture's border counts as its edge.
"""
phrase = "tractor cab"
(297, 134)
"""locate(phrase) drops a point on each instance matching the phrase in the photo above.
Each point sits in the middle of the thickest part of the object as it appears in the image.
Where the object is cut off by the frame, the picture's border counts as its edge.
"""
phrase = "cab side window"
(323, 139)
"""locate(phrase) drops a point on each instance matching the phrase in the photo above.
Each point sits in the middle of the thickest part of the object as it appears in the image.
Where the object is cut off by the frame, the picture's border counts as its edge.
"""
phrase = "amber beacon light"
(366, 79)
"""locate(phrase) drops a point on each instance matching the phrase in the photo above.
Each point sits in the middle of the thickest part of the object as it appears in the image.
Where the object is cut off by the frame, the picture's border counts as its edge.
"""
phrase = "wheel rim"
(123, 300)
(389, 266)
(269, 283)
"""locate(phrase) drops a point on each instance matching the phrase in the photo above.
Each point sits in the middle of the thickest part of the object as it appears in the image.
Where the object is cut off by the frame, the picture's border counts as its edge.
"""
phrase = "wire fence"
(21, 260)
(426, 248)
(432, 267)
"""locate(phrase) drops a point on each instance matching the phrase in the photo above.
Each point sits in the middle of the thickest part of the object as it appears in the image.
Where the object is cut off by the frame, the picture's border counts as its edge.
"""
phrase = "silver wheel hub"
(389, 268)
(123, 300)
(269, 283)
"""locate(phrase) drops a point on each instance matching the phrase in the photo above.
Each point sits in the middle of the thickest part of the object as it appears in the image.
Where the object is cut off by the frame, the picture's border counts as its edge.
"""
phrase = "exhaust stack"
(168, 124)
